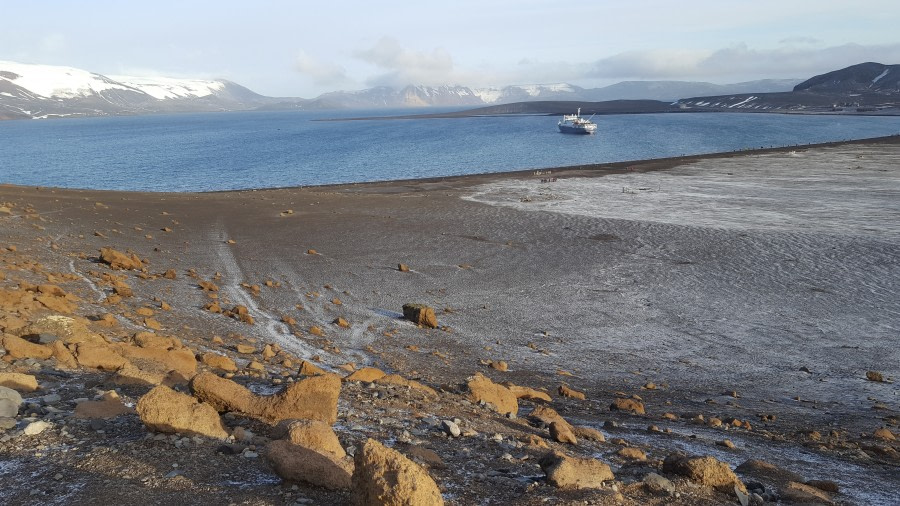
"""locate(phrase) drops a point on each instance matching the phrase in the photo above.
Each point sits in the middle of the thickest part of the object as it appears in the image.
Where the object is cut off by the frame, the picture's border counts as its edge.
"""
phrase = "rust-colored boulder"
(309, 369)
(99, 357)
(217, 361)
(562, 433)
(704, 470)
(366, 375)
(165, 410)
(313, 434)
(527, 393)
(67, 329)
(571, 393)
(17, 347)
(420, 314)
(384, 476)
(313, 398)
(632, 405)
(589, 433)
(159, 359)
(547, 416)
(297, 463)
(118, 260)
(397, 380)
(482, 389)
(18, 381)
(109, 406)
(574, 473)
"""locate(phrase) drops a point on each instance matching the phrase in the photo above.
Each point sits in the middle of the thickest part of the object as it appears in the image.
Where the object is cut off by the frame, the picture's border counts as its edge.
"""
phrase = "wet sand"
(742, 286)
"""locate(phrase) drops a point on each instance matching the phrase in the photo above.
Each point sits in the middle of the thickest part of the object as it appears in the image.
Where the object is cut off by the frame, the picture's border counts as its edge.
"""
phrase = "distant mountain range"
(865, 87)
(44, 91)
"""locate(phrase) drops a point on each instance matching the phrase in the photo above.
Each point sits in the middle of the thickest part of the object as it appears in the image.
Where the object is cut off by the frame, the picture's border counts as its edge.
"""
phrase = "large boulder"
(482, 389)
(118, 260)
(297, 463)
(165, 410)
(312, 434)
(632, 405)
(18, 381)
(420, 314)
(366, 375)
(384, 476)
(568, 472)
(98, 356)
(17, 347)
(312, 398)
(706, 470)
(109, 406)
(69, 330)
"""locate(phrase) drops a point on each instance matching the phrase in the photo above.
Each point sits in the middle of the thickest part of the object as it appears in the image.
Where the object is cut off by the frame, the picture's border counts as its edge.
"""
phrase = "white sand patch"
(824, 191)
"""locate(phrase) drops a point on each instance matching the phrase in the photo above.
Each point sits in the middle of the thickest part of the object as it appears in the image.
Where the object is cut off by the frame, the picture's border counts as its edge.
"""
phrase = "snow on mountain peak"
(165, 87)
(54, 81)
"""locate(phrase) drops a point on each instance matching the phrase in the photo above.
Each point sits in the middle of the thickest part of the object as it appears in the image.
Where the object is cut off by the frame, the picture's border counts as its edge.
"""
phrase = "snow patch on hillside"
(165, 87)
(57, 82)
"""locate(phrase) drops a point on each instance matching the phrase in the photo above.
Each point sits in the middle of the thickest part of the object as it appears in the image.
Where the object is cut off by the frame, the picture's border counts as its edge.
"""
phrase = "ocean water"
(225, 151)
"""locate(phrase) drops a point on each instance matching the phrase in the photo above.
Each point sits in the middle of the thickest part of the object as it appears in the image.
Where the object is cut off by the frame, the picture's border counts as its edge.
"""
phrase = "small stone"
(884, 434)
(875, 376)
(658, 484)
(632, 454)
(402, 267)
(35, 428)
(726, 443)
(451, 428)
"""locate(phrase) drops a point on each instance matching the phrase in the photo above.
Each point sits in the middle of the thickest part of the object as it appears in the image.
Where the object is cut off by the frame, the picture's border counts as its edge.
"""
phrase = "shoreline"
(761, 337)
(582, 170)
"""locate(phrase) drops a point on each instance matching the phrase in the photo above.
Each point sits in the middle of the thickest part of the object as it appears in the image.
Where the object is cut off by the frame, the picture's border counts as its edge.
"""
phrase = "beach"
(746, 297)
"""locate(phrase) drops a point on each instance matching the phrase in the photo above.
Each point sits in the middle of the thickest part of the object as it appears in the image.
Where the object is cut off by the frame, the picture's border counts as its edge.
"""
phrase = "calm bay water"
(223, 151)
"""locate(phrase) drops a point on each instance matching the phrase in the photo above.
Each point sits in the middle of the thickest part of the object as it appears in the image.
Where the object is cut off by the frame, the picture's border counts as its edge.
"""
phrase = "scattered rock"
(309, 369)
(165, 410)
(18, 381)
(633, 405)
(366, 375)
(35, 428)
(631, 453)
(384, 476)
(658, 484)
(562, 433)
(565, 391)
(297, 463)
(884, 434)
(825, 485)
(217, 361)
(402, 267)
(10, 400)
(118, 260)
(589, 433)
(16, 347)
(312, 434)
(420, 314)
(574, 473)
(110, 406)
(527, 393)
(451, 428)
(875, 376)
(482, 389)
(313, 397)
(704, 470)
(340, 322)
(795, 492)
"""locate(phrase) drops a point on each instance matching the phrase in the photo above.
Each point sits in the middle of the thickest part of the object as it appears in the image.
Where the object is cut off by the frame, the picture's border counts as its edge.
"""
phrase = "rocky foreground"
(111, 392)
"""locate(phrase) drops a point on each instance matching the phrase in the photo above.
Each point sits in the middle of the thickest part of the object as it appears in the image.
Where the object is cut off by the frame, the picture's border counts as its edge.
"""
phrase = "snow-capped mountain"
(43, 91)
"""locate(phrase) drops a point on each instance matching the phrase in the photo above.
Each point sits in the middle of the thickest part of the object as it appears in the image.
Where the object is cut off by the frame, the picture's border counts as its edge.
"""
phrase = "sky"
(306, 48)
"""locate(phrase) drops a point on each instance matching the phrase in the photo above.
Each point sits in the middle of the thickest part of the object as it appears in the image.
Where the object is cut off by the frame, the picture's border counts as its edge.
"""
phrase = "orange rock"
(385, 476)
(340, 322)
(565, 391)
(16, 347)
(396, 379)
(165, 410)
(632, 453)
(297, 463)
(527, 393)
(562, 433)
(99, 357)
(110, 406)
(18, 381)
(313, 434)
(574, 473)
(420, 314)
(218, 361)
(482, 389)
(633, 405)
(118, 260)
(309, 369)
(316, 331)
(366, 375)
(704, 470)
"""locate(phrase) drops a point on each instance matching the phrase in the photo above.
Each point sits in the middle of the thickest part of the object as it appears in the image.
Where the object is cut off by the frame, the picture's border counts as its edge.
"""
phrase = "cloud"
(400, 66)
(740, 61)
(321, 73)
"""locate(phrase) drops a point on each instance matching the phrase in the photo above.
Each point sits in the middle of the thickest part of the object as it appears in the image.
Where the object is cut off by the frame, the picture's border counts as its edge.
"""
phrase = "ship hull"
(566, 129)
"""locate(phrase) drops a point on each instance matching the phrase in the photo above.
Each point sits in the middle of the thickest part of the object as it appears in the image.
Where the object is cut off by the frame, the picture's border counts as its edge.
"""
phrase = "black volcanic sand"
(585, 301)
